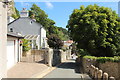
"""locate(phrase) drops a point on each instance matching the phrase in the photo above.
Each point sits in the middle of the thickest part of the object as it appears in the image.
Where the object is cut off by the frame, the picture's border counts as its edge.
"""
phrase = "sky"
(60, 11)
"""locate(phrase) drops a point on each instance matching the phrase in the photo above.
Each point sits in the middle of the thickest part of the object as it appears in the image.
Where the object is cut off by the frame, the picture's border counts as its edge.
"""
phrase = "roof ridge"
(13, 21)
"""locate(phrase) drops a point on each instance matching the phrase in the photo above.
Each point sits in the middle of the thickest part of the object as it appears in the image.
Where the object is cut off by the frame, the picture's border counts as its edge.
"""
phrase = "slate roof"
(14, 35)
(25, 26)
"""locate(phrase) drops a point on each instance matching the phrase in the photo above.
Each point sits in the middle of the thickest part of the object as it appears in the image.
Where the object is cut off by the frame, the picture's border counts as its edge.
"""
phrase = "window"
(31, 22)
(11, 29)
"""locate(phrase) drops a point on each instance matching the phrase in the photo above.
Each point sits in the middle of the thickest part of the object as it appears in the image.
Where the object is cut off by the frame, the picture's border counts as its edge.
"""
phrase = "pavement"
(67, 70)
(27, 70)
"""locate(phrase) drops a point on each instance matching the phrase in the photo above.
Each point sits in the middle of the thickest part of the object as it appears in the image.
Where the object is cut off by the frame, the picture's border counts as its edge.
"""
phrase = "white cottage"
(30, 29)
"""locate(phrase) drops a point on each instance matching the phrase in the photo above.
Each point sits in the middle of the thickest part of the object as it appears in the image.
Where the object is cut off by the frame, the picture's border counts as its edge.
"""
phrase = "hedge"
(104, 59)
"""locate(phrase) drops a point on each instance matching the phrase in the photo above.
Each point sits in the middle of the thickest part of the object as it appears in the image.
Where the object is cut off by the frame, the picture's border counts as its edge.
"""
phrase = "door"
(10, 54)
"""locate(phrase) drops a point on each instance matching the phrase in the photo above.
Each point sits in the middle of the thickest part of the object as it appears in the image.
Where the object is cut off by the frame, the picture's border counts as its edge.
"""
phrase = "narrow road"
(67, 70)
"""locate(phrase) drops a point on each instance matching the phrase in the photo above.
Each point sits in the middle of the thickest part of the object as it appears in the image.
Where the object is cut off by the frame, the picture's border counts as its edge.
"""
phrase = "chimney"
(24, 13)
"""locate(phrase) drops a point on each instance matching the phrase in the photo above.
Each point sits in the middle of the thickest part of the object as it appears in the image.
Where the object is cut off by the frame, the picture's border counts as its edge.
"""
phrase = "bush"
(26, 45)
(55, 42)
(104, 59)
(83, 52)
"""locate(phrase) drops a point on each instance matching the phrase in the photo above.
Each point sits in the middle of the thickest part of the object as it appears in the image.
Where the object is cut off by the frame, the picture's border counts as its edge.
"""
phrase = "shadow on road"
(70, 65)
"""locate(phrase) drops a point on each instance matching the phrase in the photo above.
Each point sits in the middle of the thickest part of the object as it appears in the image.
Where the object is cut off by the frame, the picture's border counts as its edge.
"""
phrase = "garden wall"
(112, 68)
(49, 56)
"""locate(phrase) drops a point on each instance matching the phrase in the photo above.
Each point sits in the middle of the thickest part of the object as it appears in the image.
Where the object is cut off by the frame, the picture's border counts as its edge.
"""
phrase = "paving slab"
(26, 70)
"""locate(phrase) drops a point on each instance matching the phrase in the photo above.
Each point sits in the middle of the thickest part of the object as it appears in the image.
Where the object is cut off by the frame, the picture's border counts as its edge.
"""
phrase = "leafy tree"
(63, 33)
(55, 42)
(95, 29)
(40, 15)
(42, 18)
(26, 44)
(16, 14)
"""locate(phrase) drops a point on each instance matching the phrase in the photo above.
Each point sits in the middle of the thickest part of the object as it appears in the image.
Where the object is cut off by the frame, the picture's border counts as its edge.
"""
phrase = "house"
(14, 49)
(68, 43)
(3, 40)
(30, 29)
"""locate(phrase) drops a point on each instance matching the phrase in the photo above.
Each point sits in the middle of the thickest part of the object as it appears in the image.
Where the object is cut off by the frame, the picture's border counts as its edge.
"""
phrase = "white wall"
(13, 55)
(3, 41)
(43, 36)
(10, 19)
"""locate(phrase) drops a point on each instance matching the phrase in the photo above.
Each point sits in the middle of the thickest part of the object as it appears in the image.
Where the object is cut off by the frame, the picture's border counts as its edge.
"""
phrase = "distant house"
(14, 49)
(67, 43)
(30, 29)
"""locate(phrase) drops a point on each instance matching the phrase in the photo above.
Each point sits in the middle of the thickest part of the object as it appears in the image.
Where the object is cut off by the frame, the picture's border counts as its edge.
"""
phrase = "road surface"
(67, 70)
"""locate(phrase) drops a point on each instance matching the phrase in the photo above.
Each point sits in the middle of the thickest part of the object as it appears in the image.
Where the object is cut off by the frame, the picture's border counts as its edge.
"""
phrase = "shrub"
(55, 42)
(104, 59)
(83, 52)
(26, 45)
(90, 57)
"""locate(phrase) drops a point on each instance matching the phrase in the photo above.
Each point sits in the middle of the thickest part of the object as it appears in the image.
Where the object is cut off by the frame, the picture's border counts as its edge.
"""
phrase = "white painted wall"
(3, 41)
(43, 36)
(10, 19)
(13, 52)
(10, 54)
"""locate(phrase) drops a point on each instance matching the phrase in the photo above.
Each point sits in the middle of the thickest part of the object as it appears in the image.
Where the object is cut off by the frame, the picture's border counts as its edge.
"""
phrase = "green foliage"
(96, 30)
(40, 15)
(55, 42)
(62, 33)
(90, 57)
(104, 59)
(16, 14)
(42, 18)
(83, 52)
(26, 45)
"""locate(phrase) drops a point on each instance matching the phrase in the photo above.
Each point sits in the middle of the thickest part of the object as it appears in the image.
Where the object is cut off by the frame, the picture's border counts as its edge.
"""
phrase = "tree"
(26, 44)
(16, 14)
(55, 42)
(95, 29)
(40, 15)
(42, 18)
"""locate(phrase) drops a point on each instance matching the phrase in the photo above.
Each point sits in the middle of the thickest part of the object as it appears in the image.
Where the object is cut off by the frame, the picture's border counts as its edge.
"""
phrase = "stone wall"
(51, 57)
(63, 56)
(87, 62)
(33, 56)
(56, 57)
(112, 68)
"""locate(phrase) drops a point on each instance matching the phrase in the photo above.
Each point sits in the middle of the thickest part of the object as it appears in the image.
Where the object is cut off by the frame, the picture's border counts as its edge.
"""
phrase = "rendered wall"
(3, 40)
(43, 38)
